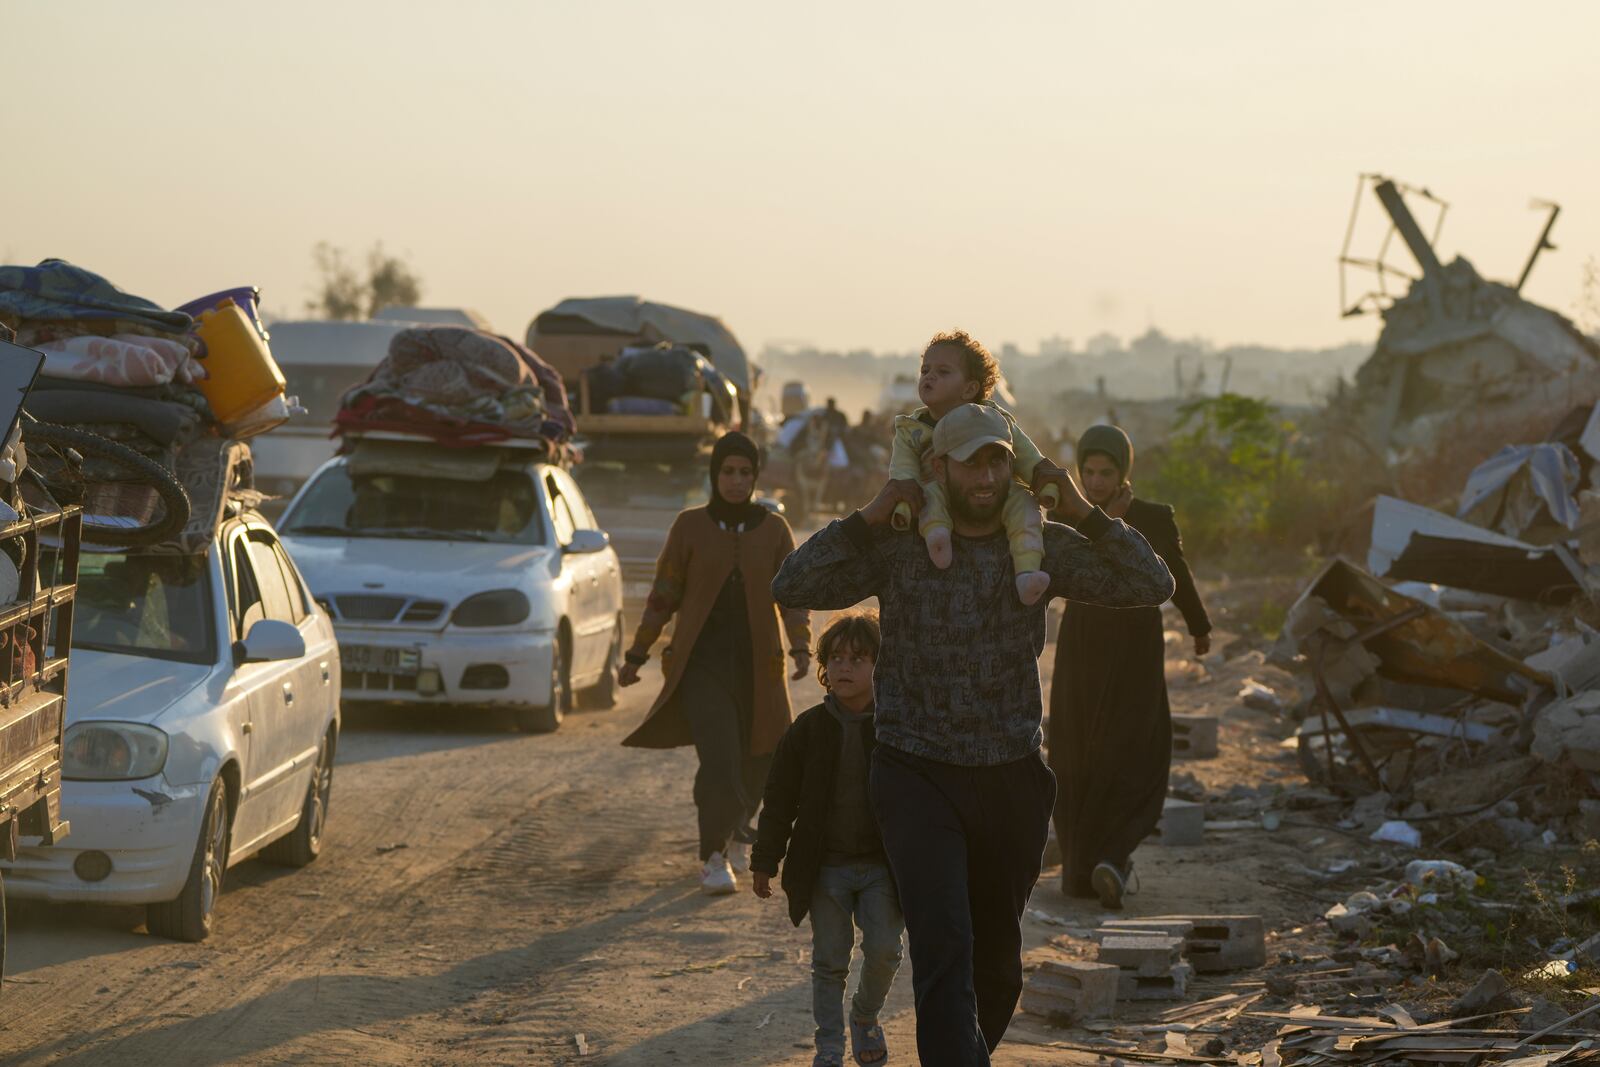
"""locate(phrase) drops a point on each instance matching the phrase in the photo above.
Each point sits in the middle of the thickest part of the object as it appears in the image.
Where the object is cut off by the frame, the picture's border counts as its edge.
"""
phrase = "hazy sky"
(847, 174)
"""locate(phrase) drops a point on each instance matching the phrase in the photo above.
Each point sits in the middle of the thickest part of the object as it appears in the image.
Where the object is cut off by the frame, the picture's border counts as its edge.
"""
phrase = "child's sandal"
(868, 1037)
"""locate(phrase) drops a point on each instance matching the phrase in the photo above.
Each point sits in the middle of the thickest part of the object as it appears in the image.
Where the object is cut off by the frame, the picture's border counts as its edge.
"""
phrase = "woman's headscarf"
(1111, 441)
(734, 516)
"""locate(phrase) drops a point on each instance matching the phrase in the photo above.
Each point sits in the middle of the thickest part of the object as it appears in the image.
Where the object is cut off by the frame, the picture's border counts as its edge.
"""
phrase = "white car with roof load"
(202, 719)
(461, 577)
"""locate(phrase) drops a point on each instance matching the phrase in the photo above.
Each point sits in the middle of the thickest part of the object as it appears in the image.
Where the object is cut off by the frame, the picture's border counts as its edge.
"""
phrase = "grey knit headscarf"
(1111, 441)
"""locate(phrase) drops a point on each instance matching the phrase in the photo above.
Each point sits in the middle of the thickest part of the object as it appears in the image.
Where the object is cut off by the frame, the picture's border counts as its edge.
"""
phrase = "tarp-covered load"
(460, 387)
(568, 333)
(663, 379)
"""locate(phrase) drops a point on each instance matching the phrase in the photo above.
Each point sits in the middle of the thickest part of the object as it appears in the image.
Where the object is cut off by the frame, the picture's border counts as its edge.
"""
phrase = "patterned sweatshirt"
(957, 678)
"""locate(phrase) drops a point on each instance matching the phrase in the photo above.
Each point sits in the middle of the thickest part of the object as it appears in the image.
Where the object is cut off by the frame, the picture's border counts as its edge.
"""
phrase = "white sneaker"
(716, 877)
(739, 857)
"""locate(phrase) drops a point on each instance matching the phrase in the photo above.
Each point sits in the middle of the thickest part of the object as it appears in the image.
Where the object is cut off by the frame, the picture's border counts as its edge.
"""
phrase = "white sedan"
(474, 578)
(202, 717)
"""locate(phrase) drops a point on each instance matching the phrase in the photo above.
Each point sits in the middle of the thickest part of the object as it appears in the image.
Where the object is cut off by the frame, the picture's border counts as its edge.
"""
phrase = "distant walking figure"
(725, 690)
(961, 795)
(1110, 726)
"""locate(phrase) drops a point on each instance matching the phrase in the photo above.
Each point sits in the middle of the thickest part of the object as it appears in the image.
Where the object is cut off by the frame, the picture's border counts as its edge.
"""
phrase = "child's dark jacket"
(794, 810)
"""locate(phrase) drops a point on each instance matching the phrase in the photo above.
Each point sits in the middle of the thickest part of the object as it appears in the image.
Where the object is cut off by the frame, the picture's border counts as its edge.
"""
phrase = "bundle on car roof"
(460, 388)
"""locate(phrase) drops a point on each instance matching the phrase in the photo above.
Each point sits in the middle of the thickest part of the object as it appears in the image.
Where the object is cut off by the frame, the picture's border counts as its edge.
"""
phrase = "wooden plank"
(1324, 1020)
(27, 729)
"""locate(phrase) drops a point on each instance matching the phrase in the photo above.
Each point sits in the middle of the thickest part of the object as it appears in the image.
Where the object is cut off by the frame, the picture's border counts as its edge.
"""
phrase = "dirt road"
(483, 898)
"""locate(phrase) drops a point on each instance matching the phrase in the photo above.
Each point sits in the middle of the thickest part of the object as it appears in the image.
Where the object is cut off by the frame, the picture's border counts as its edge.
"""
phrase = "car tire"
(189, 917)
(303, 844)
(602, 696)
(546, 719)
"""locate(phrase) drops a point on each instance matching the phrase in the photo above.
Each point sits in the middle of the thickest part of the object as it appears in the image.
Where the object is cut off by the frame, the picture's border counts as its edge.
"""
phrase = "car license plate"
(376, 659)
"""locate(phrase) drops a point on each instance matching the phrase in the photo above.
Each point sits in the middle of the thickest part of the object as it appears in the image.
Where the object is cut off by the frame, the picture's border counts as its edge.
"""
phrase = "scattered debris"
(1491, 989)
(395, 847)
(581, 1043)
(714, 965)
(1398, 832)
(1252, 694)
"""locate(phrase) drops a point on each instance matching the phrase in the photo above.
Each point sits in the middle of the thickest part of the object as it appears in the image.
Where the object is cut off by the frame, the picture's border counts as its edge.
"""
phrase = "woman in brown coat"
(725, 690)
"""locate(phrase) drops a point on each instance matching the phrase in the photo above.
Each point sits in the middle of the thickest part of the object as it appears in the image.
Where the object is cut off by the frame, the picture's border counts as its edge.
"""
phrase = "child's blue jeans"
(861, 894)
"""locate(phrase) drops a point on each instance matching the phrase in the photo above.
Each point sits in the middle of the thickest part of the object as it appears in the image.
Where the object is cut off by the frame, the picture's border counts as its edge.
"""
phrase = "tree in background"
(342, 293)
(1225, 469)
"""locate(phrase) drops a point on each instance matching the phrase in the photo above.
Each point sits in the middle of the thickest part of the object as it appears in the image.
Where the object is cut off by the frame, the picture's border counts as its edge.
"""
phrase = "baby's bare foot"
(939, 547)
(1031, 585)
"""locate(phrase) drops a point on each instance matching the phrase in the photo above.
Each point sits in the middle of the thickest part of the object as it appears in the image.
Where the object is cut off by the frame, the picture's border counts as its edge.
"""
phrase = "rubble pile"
(1458, 678)
(1309, 1039)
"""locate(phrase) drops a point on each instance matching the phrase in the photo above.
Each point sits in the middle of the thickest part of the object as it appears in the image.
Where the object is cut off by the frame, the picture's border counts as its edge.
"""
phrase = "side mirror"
(587, 541)
(269, 641)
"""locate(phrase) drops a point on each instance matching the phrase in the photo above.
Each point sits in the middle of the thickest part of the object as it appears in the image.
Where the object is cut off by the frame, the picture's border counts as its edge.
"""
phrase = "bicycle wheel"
(128, 499)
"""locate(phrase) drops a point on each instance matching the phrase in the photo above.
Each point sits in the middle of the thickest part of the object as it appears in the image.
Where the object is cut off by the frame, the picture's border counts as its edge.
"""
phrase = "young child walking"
(957, 370)
(816, 821)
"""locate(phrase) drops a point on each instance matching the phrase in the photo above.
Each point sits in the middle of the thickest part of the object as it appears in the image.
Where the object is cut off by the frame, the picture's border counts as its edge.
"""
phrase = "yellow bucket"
(241, 374)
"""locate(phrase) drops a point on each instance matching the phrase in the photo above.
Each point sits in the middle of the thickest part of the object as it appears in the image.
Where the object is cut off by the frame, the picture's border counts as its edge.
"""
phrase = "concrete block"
(1183, 822)
(1194, 736)
(1071, 990)
(1225, 942)
(1180, 928)
(1173, 985)
(1149, 955)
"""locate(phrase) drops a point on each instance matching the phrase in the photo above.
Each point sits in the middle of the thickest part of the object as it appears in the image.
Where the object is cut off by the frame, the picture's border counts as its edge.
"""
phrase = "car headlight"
(501, 607)
(109, 751)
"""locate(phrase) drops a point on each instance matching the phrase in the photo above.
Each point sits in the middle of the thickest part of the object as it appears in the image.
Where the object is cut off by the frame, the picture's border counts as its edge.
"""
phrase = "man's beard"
(962, 507)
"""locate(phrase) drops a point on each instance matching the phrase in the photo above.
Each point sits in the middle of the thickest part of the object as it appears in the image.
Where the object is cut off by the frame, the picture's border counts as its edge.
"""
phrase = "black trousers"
(965, 845)
(729, 781)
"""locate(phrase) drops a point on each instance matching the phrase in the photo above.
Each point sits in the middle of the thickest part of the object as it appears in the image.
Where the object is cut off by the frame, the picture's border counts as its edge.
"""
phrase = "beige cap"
(968, 428)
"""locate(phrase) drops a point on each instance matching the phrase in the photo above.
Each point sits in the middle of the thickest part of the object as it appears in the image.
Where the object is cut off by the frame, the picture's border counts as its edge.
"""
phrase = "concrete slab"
(1183, 823)
(1150, 955)
(1071, 990)
(1225, 942)
(1194, 736)
(1173, 985)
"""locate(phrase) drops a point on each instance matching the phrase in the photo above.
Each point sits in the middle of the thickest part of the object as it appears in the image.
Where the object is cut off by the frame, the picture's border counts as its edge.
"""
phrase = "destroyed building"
(1456, 342)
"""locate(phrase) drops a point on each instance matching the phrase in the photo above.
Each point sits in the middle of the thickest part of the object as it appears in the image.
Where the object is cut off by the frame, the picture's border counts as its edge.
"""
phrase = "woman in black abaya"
(1110, 725)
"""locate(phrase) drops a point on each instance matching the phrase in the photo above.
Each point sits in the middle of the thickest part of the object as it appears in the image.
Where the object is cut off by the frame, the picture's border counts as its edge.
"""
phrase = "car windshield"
(145, 605)
(503, 509)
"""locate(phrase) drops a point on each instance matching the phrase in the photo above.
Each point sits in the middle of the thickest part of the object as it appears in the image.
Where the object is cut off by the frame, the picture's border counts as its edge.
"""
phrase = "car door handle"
(288, 693)
(327, 675)
(247, 728)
